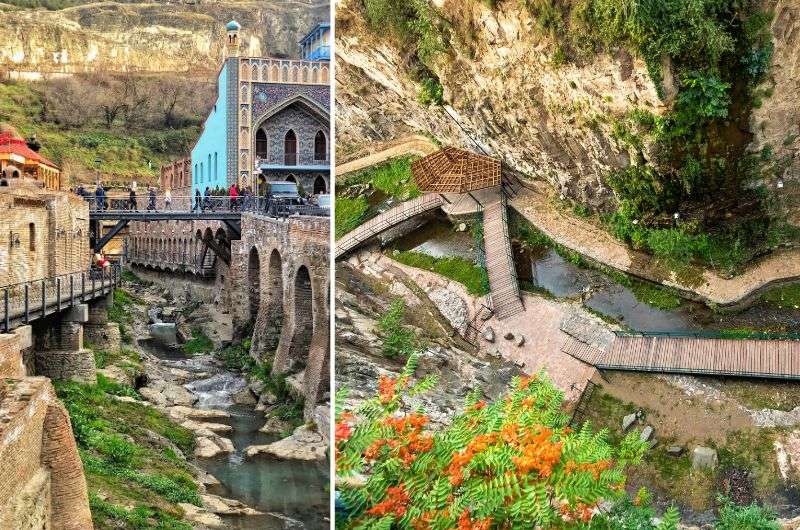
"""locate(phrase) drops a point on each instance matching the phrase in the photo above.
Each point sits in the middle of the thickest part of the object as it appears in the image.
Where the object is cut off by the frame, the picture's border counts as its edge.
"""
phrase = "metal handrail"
(50, 292)
(262, 204)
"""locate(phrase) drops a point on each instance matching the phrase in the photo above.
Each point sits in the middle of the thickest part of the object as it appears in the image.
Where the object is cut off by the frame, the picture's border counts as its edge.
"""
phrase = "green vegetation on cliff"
(132, 456)
(86, 125)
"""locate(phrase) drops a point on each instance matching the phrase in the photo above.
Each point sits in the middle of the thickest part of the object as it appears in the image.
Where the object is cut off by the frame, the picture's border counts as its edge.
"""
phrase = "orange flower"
(465, 523)
(343, 432)
(386, 389)
(396, 502)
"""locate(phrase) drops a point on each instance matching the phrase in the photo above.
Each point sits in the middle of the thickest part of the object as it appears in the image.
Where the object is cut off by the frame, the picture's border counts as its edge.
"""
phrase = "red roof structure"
(17, 146)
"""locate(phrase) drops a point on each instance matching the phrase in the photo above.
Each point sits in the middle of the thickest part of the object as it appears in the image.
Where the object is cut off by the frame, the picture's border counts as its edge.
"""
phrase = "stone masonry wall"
(301, 243)
(45, 234)
(43, 485)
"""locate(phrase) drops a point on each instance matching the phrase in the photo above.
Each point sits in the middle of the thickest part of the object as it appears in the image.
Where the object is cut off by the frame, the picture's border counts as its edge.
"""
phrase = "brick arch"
(254, 282)
(270, 319)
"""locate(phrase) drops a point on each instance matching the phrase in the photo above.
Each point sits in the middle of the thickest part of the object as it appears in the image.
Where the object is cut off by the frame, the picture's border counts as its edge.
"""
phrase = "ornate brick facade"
(177, 177)
(42, 234)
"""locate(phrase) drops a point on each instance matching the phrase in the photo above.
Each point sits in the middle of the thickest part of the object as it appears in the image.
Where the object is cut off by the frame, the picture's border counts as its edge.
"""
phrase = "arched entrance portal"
(319, 185)
(291, 178)
(303, 320)
(254, 282)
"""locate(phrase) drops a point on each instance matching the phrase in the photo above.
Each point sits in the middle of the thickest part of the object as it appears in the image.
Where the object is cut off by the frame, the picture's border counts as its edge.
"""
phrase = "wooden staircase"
(506, 301)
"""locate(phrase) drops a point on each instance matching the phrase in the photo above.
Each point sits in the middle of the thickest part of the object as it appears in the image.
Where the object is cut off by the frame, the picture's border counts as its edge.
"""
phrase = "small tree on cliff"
(514, 463)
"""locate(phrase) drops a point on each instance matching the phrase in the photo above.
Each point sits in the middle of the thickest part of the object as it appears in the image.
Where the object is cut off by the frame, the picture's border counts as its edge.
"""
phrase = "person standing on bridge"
(151, 204)
(234, 195)
(198, 201)
(132, 200)
(207, 204)
(168, 200)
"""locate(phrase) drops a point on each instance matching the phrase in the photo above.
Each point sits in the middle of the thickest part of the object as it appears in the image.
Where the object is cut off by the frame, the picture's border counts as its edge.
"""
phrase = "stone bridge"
(275, 276)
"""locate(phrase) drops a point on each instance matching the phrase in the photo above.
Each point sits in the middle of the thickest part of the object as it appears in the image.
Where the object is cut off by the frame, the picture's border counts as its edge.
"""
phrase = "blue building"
(270, 121)
(316, 45)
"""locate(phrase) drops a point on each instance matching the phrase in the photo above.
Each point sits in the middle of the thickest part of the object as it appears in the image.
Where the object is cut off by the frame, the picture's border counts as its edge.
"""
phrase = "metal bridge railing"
(35, 299)
(265, 205)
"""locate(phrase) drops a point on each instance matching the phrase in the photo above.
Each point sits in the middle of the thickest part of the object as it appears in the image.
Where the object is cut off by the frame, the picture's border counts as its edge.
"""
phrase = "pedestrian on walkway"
(151, 205)
(207, 200)
(168, 200)
(198, 201)
(132, 206)
(234, 195)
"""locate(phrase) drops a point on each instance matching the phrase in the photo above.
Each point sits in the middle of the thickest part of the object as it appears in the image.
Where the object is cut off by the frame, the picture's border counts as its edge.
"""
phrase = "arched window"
(197, 174)
(262, 144)
(216, 174)
(202, 174)
(209, 166)
(290, 148)
(320, 146)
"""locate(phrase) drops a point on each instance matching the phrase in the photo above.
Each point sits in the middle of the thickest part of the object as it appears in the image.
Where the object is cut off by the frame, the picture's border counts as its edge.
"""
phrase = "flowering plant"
(514, 463)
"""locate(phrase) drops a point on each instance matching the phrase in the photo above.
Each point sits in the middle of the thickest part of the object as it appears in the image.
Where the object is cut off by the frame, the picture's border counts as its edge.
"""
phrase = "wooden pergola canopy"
(453, 170)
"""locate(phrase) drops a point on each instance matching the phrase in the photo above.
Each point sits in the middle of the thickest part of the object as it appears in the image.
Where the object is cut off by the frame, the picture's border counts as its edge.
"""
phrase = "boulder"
(181, 412)
(204, 428)
(223, 506)
(244, 397)
(647, 433)
(154, 315)
(225, 444)
(169, 313)
(177, 395)
(275, 426)
(628, 421)
(675, 450)
(520, 340)
(488, 334)
(205, 448)
(153, 396)
(201, 516)
(509, 336)
(257, 386)
(704, 458)
(303, 444)
(462, 227)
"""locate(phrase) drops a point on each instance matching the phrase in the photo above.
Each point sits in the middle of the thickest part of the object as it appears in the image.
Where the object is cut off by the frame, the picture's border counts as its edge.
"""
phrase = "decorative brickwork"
(46, 234)
(43, 484)
(11, 364)
(177, 177)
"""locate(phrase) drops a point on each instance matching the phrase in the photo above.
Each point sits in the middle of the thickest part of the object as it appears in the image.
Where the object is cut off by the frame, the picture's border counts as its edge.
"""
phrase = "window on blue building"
(209, 166)
(202, 174)
(216, 174)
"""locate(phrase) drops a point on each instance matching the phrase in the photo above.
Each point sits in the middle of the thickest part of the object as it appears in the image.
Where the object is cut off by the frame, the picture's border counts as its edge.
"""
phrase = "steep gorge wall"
(150, 37)
(545, 120)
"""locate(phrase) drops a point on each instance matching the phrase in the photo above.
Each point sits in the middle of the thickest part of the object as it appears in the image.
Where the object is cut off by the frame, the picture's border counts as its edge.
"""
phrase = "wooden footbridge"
(774, 358)
(504, 295)
(386, 220)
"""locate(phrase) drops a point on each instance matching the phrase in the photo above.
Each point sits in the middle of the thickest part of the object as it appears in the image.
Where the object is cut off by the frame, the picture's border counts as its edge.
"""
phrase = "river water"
(293, 494)
(545, 269)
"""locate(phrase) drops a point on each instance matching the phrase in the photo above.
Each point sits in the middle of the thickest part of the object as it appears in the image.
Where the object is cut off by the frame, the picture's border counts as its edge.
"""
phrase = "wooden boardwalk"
(767, 358)
(388, 219)
(505, 297)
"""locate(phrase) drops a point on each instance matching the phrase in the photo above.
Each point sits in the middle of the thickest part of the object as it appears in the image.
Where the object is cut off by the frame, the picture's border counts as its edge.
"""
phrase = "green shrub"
(752, 517)
(456, 268)
(398, 339)
(199, 343)
(431, 92)
(349, 214)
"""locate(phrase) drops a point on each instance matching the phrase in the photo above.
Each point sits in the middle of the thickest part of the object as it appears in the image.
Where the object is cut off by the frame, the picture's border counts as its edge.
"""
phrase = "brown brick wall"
(10, 357)
(42, 234)
(39, 461)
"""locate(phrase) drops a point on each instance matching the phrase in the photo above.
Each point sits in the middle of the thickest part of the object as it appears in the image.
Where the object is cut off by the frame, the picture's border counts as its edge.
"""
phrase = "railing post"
(7, 317)
(27, 304)
(58, 295)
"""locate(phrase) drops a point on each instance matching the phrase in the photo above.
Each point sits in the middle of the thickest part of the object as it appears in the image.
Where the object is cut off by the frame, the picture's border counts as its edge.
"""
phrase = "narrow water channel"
(292, 494)
(545, 269)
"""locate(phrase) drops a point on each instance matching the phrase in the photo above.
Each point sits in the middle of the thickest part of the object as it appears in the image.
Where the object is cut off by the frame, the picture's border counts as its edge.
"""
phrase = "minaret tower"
(233, 44)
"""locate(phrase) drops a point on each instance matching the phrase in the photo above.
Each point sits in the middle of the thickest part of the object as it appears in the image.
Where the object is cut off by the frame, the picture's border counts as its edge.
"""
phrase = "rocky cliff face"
(150, 37)
(509, 92)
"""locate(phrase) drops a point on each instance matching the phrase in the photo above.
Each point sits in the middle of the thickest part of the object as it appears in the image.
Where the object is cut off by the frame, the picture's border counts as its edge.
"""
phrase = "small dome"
(233, 26)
